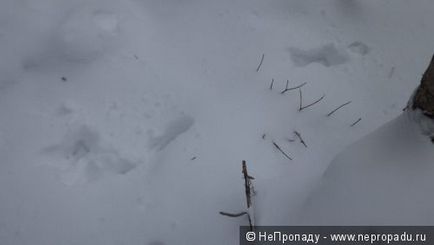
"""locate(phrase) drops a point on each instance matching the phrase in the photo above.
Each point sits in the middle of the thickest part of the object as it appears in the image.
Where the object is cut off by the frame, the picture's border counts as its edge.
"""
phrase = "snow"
(125, 122)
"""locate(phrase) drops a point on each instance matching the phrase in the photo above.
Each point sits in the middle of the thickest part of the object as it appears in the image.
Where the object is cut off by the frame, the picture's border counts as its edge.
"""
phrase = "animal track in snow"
(359, 48)
(327, 55)
(171, 132)
(85, 159)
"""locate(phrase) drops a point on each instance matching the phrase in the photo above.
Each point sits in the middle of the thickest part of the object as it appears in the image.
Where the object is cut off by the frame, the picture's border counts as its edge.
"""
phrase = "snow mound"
(85, 159)
(327, 55)
(384, 179)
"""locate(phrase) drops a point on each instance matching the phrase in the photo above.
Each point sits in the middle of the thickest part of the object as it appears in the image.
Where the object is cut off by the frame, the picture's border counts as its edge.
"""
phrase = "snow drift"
(385, 178)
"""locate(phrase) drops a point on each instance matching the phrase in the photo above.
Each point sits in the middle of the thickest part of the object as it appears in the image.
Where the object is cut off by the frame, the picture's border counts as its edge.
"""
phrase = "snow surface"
(125, 122)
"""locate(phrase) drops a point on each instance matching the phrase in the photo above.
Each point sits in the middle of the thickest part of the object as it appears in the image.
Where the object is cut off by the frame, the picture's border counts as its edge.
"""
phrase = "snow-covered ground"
(125, 122)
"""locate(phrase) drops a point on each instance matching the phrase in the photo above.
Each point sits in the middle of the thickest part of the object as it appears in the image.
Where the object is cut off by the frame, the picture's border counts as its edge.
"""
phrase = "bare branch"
(311, 104)
(289, 89)
(354, 123)
(233, 215)
(280, 149)
(339, 107)
(260, 63)
(300, 138)
(248, 187)
(247, 184)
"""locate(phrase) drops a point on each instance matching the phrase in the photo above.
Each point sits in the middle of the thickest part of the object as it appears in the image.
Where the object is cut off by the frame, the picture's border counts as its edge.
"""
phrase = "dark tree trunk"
(424, 97)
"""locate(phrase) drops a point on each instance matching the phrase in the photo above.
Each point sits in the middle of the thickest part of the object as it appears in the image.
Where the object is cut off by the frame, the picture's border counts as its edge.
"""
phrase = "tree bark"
(424, 97)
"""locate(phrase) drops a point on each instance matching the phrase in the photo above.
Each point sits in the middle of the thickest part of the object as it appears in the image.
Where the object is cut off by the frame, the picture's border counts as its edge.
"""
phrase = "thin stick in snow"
(271, 85)
(248, 187)
(339, 107)
(301, 107)
(354, 123)
(280, 149)
(233, 215)
(300, 96)
(250, 192)
(286, 87)
(289, 89)
(260, 63)
(300, 138)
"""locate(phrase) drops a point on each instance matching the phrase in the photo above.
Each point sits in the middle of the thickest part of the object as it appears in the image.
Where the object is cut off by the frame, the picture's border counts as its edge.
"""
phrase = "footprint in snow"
(326, 55)
(85, 159)
(171, 132)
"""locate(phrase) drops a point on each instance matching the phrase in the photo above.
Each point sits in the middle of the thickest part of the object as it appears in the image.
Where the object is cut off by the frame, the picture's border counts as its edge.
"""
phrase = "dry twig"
(354, 123)
(260, 63)
(280, 149)
(301, 107)
(293, 88)
(233, 215)
(300, 97)
(339, 107)
(272, 83)
(300, 138)
(248, 186)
